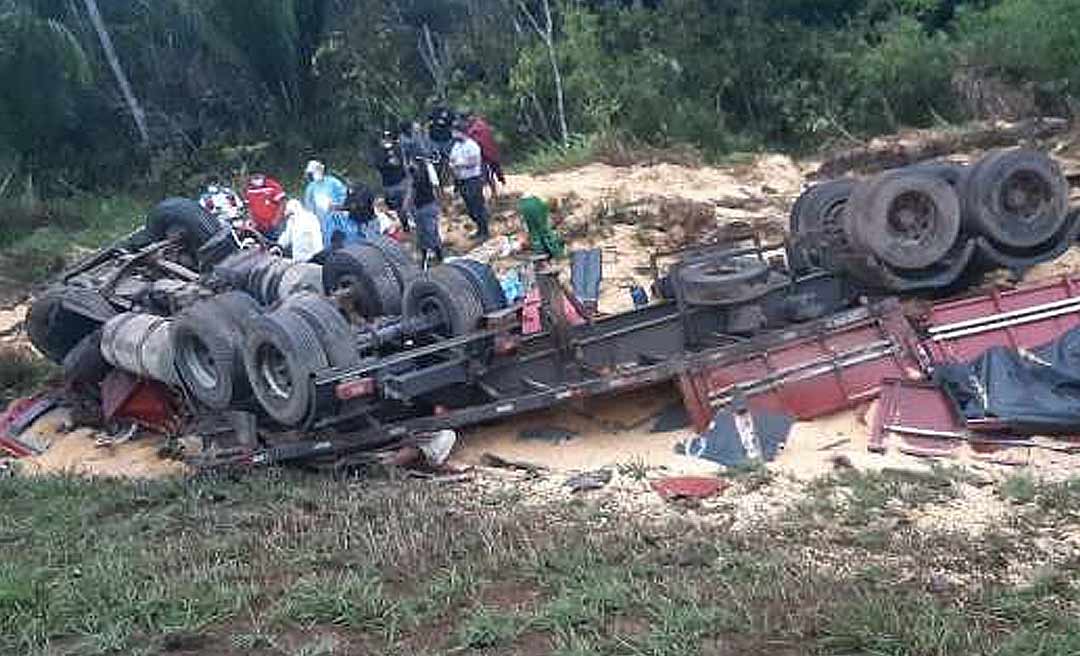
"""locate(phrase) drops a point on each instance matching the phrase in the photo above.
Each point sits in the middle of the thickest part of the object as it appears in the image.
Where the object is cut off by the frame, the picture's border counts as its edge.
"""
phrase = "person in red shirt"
(480, 132)
(265, 199)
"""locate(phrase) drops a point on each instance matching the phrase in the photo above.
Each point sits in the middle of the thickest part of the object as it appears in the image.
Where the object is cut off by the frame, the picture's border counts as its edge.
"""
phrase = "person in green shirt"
(542, 236)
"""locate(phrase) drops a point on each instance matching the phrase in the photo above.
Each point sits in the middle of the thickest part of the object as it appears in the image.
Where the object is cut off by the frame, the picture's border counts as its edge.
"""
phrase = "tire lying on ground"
(484, 282)
(281, 353)
(721, 280)
(208, 342)
(62, 316)
(362, 279)
(185, 217)
(330, 326)
(1017, 198)
(908, 220)
(816, 222)
(446, 294)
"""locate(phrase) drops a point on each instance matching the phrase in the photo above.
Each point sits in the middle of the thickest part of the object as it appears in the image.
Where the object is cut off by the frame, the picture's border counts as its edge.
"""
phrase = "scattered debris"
(586, 481)
(19, 415)
(492, 460)
(552, 434)
(741, 436)
(688, 487)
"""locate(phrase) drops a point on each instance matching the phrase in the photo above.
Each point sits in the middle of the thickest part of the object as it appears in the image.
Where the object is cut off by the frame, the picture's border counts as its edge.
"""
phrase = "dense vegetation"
(219, 83)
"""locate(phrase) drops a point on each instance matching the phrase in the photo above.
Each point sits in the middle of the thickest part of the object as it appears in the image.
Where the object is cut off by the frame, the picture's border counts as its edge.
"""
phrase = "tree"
(546, 32)
(134, 107)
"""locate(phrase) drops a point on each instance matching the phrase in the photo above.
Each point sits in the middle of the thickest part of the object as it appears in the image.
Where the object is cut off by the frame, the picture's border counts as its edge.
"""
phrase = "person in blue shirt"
(323, 196)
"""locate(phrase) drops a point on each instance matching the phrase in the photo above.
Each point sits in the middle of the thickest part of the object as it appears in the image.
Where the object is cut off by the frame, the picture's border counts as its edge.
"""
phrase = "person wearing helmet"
(302, 232)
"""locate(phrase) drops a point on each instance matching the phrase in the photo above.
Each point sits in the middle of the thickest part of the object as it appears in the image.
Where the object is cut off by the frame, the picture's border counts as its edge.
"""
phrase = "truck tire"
(325, 319)
(280, 355)
(907, 220)
(62, 316)
(816, 223)
(722, 280)
(404, 268)
(363, 280)
(446, 293)
(84, 363)
(953, 174)
(208, 343)
(818, 204)
(1017, 198)
(217, 249)
(484, 283)
(208, 358)
(184, 216)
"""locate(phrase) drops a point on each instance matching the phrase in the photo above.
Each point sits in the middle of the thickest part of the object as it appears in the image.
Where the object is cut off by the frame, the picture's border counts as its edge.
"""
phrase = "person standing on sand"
(480, 132)
(468, 166)
(426, 215)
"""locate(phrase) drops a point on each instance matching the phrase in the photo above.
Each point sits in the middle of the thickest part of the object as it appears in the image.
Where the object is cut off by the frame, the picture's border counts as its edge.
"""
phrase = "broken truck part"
(925, 227)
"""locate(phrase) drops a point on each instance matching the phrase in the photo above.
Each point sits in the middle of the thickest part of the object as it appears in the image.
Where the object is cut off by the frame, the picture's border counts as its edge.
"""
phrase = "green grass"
(21, 372)
(38, 240)
(287, 563)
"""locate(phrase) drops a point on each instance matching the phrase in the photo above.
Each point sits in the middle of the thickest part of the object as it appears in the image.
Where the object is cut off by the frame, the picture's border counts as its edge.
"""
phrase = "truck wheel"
(208, 358)
(62, 316)
(183, 216)
(908, 220)
(817, 222)
(818, 204)
(722, 280)
(280, 355)
(404, 268)
(484, 283)
(1017, 198)
(84, 363)
(445, 293)
(364, 282)
(325, 319)
(953, 174)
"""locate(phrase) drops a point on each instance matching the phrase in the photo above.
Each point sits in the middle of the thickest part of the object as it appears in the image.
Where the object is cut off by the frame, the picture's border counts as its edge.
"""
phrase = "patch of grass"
(1019, 488)
(22, 372)
(555, 156)
(40, 246)
(858, 498)
(487, 629)
(217, 564)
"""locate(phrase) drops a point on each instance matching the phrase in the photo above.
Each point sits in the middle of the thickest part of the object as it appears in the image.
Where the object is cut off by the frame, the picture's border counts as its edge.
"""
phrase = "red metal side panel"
(1026, 333)
(810, 377)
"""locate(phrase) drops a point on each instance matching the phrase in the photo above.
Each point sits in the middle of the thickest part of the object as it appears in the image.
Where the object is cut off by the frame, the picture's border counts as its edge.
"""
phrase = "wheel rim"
(346, 292)
(200, 363)
(273, 367)
(432, 306)
(913, 218)
(1025, 196)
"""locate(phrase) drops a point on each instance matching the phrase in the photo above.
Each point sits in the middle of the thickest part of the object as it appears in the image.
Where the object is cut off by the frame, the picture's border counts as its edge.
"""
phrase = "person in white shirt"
(468, 166)
(303, 232)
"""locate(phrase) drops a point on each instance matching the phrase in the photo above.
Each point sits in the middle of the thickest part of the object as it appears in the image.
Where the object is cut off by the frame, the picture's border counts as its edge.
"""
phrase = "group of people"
(331, 214)
(409, 164)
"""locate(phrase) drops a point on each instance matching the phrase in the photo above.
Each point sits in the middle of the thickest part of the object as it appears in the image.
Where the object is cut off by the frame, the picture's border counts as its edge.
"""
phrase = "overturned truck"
(366, 350)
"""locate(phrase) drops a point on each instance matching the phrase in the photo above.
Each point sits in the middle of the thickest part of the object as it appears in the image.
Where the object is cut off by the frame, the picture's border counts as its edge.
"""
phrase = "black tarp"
(1035, 392)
